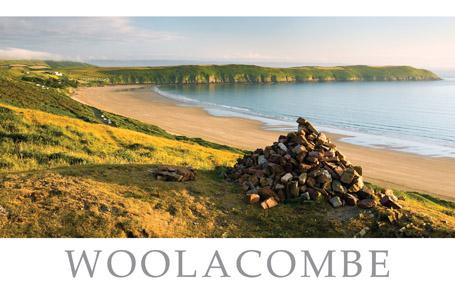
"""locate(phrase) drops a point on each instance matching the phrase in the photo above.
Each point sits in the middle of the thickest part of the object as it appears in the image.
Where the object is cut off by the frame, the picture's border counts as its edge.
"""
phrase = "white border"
(227, 8)
(43, 263)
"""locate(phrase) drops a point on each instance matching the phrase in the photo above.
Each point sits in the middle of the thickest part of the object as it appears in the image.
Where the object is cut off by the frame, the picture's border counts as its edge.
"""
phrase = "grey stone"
(366, 204)
(336, 202)
(306, 196)
(348, 176)
(279, 187)
(283, 147)
(262, 160)
(302, 178)
(324, 177)
(286, 178)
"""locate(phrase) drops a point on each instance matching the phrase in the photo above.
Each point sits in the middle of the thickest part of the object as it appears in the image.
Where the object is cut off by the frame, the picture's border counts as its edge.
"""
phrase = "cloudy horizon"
(420, 42)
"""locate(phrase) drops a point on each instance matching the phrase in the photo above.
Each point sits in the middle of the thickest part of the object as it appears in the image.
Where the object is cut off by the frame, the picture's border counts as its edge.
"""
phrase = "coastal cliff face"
(86, 74)
(195, 74)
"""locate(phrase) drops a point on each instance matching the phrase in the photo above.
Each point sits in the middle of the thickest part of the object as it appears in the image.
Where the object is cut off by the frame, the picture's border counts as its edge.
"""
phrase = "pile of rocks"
(173, 173)
(305, 165)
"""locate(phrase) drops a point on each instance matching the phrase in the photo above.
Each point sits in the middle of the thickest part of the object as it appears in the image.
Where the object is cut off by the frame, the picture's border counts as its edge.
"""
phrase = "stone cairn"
(303, 166)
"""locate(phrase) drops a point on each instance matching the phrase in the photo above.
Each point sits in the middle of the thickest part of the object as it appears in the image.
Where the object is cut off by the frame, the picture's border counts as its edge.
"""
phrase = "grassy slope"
(124, 201)
(244, 74)
(61, 176)
(64, 173)
(14, 91)
(33, 139)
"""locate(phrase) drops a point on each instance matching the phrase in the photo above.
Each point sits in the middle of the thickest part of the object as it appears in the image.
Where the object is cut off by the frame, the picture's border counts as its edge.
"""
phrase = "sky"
(421, 42)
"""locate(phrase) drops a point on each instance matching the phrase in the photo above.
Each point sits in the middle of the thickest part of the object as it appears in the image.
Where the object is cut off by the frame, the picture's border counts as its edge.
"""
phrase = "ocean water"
(415, 117)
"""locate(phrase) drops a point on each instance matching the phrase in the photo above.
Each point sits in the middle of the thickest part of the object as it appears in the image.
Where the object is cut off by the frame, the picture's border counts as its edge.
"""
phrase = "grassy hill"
(63, 177)
(198, 74)
(65, 173)
(17, 92)
(33, 139)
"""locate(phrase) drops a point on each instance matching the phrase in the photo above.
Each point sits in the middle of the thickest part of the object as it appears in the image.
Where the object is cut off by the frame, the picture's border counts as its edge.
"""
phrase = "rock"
(338, 170)
(286, 178)
(390, 202)
(340, 155)
(269, 203)
(389, 216)
(336, 202)
(262, 160)
(283, 147)
(314, 195)
(171, 177)
(358, 169)
(329, 154)
(267, 192)
(314, 156)
(311, 128)
(348, 176)
(302, 178)
(357, 185)
(299, 150)
(254, 180)
(311, 182)
(306, 196)
(301, 121)
(350, 200)
(263, 182)
(253, 198)
(301, 165)
(366, 193)
(293, 189)
(279, 186)
(173, 173)
(324, 177)
(338, 187)
(366, 204)
(388, 192)
(322, 138)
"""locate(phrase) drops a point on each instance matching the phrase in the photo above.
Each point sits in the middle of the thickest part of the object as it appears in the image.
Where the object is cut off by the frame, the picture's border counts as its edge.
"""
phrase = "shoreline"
(384, 167)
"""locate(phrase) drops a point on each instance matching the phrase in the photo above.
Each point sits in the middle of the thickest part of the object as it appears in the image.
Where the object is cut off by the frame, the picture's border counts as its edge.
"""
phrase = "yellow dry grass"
(48, 140)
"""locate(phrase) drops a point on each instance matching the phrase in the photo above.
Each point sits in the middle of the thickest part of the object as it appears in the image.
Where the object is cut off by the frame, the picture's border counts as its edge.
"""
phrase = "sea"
(409, 116)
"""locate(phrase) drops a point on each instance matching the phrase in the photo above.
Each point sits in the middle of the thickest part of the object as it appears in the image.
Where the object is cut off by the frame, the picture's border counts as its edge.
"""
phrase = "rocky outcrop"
(173, 174)
(305, 165)
(232, 73)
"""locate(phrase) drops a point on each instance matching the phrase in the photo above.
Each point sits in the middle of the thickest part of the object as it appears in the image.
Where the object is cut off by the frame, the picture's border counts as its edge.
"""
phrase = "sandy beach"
(381, 166)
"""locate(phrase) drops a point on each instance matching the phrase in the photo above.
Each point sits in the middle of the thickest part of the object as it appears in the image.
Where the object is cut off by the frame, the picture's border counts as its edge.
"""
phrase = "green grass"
(63, 173)
(63, 177)
(191, 74)
(31, 139)
(125, 201)
(17, 92)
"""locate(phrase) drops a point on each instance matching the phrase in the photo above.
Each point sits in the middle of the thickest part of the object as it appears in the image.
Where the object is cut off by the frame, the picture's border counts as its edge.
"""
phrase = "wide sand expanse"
(380, 166)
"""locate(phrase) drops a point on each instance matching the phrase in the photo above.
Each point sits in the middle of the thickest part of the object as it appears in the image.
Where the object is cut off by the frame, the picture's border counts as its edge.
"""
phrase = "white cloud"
(18, 53)
(73, 29)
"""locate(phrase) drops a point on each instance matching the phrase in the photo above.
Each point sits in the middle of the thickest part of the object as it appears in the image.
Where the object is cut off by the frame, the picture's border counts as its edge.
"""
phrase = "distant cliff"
(203, 74)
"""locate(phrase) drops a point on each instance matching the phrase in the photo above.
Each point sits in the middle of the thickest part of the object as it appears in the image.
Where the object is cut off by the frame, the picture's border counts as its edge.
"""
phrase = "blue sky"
(422, 42)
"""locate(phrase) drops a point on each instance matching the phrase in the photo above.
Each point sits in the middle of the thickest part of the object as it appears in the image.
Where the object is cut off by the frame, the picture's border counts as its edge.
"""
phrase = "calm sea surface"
(416, 117)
